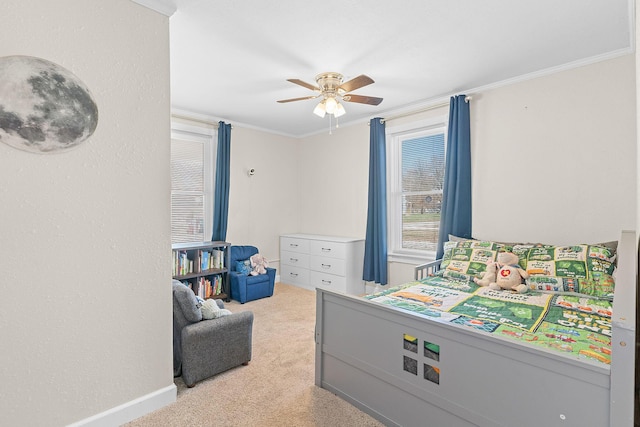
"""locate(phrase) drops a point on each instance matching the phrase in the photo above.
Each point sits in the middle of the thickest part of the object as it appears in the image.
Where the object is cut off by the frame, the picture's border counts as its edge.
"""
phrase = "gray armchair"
(203, 348)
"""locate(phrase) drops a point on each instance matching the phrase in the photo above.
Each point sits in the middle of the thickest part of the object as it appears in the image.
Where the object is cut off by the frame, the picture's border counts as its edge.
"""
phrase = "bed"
(406, 367)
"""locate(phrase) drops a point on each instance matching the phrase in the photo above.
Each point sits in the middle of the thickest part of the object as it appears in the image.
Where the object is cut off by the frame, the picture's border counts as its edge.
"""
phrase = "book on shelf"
(181, 263)
(205, 288)
(218, 285)
(200, 288)
(205, 260)
(176, 263)
(218, 258)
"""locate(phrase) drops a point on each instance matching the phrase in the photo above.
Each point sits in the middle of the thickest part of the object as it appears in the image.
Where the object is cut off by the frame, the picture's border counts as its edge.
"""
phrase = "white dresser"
(329, 262)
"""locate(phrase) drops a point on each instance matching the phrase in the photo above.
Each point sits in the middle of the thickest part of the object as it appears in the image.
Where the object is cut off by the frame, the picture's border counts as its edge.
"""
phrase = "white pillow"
(210, 310)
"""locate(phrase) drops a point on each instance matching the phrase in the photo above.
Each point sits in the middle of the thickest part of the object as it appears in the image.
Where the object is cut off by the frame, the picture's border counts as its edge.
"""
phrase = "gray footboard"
(479, 379)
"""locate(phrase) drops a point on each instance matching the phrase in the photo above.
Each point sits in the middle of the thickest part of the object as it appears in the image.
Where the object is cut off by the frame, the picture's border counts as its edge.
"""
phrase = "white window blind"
(191, 187)
(187, 191)
(422, 182)
(415, 165)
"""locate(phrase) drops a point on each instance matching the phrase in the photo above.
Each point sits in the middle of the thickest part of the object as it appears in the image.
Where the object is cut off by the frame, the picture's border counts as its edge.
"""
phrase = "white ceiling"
(230, 58)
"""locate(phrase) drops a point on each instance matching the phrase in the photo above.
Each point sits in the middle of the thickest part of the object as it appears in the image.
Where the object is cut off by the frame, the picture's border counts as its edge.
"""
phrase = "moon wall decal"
(44, 108)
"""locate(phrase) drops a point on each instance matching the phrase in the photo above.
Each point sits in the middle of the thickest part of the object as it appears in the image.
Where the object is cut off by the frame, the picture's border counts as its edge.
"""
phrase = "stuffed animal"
(210, 310)
(510, 275)
(488, 276)
(259, 264)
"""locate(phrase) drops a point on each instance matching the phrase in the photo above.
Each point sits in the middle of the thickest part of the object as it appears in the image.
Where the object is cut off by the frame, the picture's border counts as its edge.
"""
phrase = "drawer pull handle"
(293, 245)
(326, 266)
(326, 282)
(293, 259)
(326, 249)
(293, 274)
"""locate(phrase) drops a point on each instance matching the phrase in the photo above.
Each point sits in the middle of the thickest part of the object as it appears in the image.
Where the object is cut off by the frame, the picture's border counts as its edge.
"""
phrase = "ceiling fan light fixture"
(333, 92)
(331, 104)
(320, 109)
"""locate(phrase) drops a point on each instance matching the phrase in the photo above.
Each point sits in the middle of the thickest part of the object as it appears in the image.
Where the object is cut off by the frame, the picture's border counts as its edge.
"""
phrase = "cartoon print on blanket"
(586, 335)
(523, 311)
(570, 324)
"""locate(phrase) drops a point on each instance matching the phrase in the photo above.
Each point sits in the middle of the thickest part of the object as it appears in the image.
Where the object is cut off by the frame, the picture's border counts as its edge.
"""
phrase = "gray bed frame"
(484, 380)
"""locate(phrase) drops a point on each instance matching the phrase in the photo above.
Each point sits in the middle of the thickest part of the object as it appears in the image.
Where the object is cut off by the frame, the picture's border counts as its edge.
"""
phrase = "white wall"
(85, 308)
(265, 205)
(335, 176)
(553, 158)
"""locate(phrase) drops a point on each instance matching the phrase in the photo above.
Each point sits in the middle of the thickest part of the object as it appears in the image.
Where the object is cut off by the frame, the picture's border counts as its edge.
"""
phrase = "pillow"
(465, 259)
(576, 261)
(211, 310)
(585, 269)
(613, 245)
(600, 285)
(243, 267)
(454, 238)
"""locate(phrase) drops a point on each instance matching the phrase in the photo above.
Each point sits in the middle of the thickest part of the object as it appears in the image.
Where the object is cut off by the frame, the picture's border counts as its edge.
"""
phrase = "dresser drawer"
(294, 275)
(328, 265)
(294, 245)
(295, 259)
(327, 249)
(328, 281)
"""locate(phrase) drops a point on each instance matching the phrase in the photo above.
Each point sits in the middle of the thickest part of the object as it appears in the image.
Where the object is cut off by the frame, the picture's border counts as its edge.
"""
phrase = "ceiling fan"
(332, 90)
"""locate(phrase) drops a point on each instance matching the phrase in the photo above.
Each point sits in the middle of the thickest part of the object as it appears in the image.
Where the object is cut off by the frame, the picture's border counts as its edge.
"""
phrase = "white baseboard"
(131, 410)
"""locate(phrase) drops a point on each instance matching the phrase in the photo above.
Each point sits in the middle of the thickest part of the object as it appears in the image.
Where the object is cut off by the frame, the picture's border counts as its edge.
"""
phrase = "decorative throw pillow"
(211, 310)
(243, 267)
(454, 238)
(468, 258)
(585, 269)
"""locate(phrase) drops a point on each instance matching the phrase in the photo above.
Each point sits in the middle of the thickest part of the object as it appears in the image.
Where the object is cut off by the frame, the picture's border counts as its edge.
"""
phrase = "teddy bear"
(259, 264)
(488, 276)
(510, 274)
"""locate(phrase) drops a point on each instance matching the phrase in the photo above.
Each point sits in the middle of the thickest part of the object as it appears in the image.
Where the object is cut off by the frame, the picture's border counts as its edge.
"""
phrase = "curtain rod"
(193, 119)
(422, 110)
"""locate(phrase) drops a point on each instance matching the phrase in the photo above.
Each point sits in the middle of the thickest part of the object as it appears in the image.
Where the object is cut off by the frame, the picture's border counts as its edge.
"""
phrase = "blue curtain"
(221, 195)
(456, 196)
(375, 248)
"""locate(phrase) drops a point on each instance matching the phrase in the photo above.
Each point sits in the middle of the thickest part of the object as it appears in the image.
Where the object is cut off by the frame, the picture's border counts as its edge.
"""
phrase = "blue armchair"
(246, 287)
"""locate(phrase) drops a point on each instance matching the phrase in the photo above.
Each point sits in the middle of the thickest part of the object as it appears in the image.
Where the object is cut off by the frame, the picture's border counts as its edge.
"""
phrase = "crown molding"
(165, 7)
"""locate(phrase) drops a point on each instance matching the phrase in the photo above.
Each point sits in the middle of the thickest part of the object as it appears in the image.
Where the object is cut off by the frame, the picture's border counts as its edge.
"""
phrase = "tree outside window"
(416, 162)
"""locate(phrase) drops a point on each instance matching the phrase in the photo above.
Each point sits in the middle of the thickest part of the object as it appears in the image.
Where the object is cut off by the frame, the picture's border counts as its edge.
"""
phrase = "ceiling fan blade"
(304, 84)
(356, 83)
(298, 99)
(371, 100)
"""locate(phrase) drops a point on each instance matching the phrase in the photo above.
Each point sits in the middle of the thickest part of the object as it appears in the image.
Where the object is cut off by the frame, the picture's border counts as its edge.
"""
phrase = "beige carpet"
(277, 387)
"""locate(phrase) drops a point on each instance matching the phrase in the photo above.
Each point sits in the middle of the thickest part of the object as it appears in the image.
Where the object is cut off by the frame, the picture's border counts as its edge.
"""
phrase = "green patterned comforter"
(571, 324)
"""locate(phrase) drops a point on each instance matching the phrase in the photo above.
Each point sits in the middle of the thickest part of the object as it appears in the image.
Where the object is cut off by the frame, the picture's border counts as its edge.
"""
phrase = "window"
(192, 164)
(416, 161)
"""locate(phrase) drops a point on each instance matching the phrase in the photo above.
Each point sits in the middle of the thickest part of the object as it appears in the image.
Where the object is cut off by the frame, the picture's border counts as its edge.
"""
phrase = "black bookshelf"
(204, 267)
